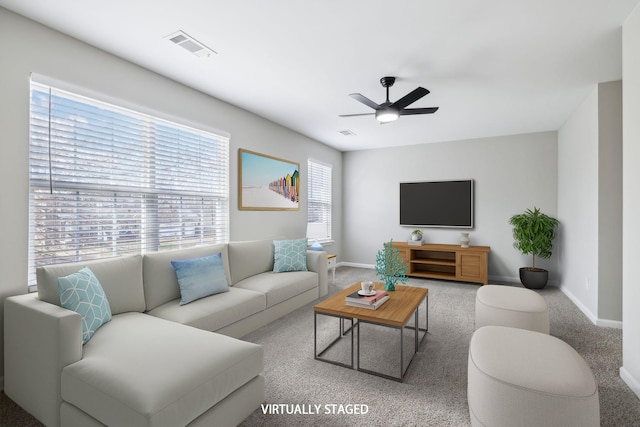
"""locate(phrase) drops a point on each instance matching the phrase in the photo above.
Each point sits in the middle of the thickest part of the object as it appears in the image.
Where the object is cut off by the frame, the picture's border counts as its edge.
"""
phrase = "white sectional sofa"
(156, 362)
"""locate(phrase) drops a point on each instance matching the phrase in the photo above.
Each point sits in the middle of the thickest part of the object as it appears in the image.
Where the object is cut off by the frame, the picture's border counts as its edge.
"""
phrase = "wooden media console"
(448, 262)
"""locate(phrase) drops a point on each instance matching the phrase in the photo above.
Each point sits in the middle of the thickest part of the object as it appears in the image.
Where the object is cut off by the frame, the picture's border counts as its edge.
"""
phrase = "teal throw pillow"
(200, 277)
(290, 255)
(82, 293)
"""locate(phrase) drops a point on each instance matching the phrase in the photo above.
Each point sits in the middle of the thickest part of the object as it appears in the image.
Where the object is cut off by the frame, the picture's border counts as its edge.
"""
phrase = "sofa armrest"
(317, 262)
(39, 340)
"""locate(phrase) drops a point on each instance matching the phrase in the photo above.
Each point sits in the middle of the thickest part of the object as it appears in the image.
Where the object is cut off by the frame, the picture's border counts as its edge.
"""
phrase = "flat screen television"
(447, 204)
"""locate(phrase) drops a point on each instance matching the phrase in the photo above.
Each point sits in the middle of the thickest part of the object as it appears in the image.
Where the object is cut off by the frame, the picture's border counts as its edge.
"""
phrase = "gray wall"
(590, 204)
(610, 202)
(511, 173)
(630, 370)
(27, 47)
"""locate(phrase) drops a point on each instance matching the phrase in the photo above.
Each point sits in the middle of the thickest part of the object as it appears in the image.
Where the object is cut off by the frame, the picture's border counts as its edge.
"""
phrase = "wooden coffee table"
(395, 313)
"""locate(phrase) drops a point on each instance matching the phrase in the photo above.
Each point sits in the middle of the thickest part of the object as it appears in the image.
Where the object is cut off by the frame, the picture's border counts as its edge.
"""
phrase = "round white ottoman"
(518, 377)
(509, 306)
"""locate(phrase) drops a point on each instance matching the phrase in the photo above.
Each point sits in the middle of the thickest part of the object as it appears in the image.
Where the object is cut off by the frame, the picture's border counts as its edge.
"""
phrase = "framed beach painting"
(267, 183)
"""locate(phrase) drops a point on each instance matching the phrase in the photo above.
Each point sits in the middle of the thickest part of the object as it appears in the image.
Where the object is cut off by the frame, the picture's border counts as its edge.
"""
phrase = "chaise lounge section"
(156, 362)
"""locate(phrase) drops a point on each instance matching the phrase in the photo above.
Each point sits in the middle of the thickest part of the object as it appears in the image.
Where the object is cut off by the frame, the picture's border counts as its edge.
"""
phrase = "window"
(106, 181)
(319, 203)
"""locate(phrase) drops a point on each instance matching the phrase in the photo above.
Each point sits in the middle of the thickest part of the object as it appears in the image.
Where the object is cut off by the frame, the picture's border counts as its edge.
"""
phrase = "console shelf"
(448, 262)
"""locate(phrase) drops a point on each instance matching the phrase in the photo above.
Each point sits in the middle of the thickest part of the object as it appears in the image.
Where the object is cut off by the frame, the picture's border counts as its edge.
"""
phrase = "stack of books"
(369, 302)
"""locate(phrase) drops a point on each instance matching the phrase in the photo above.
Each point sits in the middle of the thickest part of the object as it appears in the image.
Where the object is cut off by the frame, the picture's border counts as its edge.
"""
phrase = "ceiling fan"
(389, 111)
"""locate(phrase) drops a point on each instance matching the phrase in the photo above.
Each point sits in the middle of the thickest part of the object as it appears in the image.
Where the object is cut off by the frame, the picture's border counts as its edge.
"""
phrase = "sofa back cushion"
(160, 280)
(121, 279)
(249, 258)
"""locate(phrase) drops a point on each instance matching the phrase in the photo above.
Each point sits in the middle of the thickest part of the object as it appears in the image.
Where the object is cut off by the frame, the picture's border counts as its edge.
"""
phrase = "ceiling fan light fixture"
(390, 111)
(386, 116)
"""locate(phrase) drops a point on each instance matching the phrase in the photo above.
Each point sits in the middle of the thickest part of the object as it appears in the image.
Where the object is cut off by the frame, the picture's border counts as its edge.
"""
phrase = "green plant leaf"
(390, 266)
(534, 232)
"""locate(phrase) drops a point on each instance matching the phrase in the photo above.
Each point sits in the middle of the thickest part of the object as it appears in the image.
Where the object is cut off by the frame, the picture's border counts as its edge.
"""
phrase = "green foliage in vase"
(390, 266)
(534, 232)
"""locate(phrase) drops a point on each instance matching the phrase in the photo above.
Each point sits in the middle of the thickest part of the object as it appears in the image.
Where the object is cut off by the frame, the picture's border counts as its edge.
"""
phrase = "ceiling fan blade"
(366, 101)
(412, 111)
(410, 98)
(354, 115)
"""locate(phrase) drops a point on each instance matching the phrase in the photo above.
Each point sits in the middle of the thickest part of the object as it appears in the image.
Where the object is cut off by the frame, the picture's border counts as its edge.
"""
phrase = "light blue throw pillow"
(200, 277)
(290, 255)
(82, 293)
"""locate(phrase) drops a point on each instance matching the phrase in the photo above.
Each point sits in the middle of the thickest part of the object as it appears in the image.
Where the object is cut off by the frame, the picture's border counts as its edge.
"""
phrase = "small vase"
(389, 286)
(464, 240)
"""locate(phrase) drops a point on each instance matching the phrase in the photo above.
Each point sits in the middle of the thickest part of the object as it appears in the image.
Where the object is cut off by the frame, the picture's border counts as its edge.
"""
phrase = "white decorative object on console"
(464, 240)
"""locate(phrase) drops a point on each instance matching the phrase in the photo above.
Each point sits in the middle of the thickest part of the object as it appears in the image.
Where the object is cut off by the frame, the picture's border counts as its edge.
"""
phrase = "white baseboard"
(516, 280)
(357, 265)
(606, 323)
(504, 279)
(592, 317)
(633, 383)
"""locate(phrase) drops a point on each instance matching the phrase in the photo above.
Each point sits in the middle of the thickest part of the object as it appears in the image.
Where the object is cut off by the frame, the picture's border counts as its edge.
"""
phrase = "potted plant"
(390, 266)
(416, 235)
(534, 232)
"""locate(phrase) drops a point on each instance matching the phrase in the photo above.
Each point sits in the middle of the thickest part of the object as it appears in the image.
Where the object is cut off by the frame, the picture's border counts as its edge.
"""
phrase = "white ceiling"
(494, 67)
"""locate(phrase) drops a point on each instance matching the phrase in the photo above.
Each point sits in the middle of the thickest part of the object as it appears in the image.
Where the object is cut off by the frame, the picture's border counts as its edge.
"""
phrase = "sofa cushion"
(280, 287)
(160, 281)
(249, 258)
(289, 255)
(200, 277)
(213, 312)
(81, 292)
(121, 279)
(139, 370)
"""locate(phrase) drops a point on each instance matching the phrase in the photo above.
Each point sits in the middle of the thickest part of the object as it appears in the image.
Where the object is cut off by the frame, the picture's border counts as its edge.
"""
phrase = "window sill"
(323, 242)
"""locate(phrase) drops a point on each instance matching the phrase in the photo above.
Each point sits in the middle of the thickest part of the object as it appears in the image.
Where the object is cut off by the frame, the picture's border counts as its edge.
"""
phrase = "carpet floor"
(434, 389)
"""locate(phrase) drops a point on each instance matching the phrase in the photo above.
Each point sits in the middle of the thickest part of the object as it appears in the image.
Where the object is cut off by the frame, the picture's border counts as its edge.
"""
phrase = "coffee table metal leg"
(402, 354)
(415, 330)
(317, 355)
(352, 346)
(417, 341)
(403, 370)
(417, 325)
(426, 306)
(358, 360)
(344, 331)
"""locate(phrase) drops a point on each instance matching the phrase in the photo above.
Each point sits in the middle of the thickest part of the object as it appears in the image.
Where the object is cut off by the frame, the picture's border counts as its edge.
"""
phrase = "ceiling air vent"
(187, 42)
(347, 132)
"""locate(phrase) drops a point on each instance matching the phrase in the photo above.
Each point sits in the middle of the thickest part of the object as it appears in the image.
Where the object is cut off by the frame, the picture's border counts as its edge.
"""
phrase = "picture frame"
(267, 183)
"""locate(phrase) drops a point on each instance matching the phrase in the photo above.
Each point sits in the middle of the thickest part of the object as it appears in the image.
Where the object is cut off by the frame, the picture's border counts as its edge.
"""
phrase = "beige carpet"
(434, 390)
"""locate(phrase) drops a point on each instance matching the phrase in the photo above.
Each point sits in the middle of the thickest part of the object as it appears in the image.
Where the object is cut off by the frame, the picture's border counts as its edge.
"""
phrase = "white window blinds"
(319, 202)
(106, 181)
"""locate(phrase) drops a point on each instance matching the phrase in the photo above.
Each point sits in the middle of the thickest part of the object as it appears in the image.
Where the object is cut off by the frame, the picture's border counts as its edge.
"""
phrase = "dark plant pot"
(534, 278)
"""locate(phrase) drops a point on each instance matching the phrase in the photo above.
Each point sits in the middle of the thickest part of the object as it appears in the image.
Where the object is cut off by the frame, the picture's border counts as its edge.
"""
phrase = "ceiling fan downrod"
(387, 82)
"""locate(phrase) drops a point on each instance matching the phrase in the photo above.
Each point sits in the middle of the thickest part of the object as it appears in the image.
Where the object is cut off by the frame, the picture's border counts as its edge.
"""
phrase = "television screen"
(437, 204)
